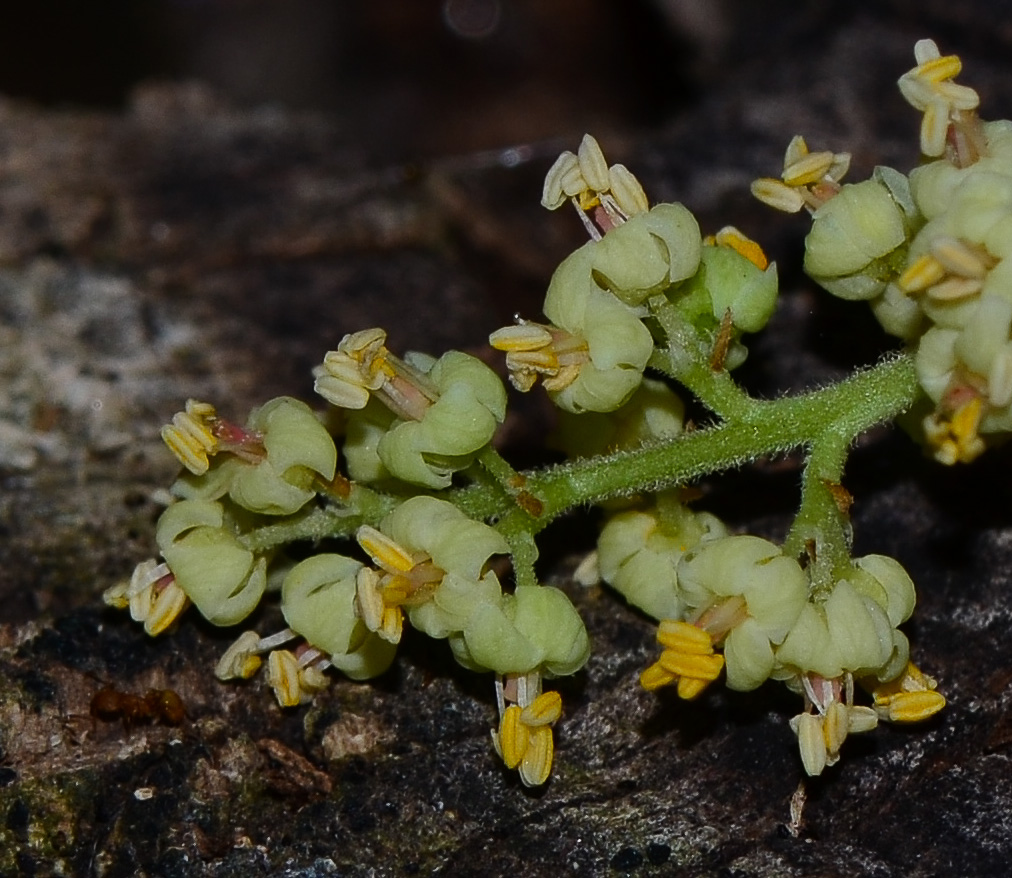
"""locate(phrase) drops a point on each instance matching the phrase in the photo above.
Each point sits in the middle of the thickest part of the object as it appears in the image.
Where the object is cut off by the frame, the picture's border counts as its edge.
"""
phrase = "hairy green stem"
(826, 420)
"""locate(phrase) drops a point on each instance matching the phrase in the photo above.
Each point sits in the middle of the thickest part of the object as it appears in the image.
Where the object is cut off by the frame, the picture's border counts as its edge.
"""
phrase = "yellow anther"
(384, 551)
(778, 195)
(811, 741)
(955, 439)
(655, 677)
(965, 423)
(835, 727)
(921, 274)
(685, 638)
(553, 195)
(958, 257)
(168, 603)
(521, 337)
(378, 604)
(283, 676)
(796, 150)
(861, 719)
(808, 169)
(627, 191)
(729, 236)
(240, 659)
(935, 126)
(690, 688)
(911, 707)
(514, 737)
(544, 710)
(954, 289)
(536, 765)
(939, 69)
(699, 667)
(592, 164)
(189, 436)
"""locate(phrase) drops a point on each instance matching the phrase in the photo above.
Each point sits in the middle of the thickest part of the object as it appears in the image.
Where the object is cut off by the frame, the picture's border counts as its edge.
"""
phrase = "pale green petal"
(370, 659)
(895, 583)
(808, 647)
(318, 601)
(748, 656)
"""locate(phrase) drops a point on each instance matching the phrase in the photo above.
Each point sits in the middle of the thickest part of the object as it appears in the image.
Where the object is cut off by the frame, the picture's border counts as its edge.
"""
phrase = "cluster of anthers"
(809, 179)
(524, 740)
(948, 107)
(604, 197)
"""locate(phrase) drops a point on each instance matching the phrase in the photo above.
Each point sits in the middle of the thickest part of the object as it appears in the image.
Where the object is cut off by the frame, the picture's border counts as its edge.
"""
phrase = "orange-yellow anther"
(524, 739)
(683, 637)
(536, 765)
(514, 736)
(544, 710)
(688, 659)
(909, 698)
(699, 667)
(910, 707)
(190, 438)
(729, 236)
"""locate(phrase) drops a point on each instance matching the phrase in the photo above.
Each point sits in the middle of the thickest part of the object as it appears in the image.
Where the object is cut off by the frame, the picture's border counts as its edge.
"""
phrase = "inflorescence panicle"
(424, 516)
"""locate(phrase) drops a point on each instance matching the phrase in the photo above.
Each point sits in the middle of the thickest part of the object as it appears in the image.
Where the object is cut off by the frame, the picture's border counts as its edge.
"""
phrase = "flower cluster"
(404, 515)
(927, 251)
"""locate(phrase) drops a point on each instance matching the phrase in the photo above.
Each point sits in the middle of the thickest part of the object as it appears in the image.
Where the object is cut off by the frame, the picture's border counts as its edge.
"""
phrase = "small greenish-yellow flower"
(470, 404)
(272, 465)
(222, 578)
(639, 550)
(618, 344)
(444, 411)
(744, 592)
(524, 739)
(853, 234)
(318, 602)
(298, 451)
(432, 563)
(734, 291)
(847, 632)
(535, 629)
(809, 179)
